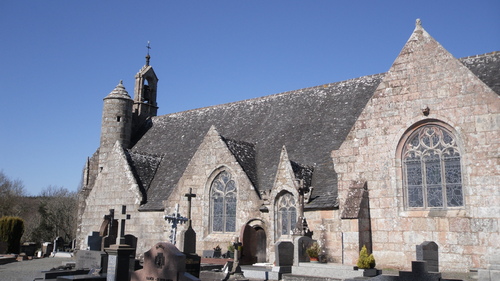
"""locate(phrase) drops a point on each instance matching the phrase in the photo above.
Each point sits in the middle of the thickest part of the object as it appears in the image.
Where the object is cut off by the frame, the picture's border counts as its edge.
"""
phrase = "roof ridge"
(480, 55)
(262, 98)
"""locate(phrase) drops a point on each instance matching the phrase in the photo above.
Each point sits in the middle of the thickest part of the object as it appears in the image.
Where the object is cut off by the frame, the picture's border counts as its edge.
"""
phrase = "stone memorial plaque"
(111, 268)
(89, 259)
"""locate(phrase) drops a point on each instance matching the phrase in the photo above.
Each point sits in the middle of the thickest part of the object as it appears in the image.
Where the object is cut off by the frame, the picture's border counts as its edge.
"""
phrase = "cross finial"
(148, 56)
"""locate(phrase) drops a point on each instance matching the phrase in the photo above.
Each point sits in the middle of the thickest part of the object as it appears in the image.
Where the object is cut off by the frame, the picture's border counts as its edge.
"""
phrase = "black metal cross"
(148, 46)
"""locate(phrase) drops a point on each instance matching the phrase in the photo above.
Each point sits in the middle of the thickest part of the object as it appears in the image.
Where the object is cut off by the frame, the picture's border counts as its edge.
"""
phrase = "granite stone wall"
(425, 75)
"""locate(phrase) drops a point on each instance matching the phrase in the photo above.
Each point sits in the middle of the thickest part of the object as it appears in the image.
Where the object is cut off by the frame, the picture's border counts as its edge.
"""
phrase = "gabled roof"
(310, 122)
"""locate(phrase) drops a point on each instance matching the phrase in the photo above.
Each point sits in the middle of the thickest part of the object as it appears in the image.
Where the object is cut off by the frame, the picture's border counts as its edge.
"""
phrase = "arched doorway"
(254, 240)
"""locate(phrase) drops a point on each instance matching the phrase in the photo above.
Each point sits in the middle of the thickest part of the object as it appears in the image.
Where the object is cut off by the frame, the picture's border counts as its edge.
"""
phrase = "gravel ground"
(28, 270)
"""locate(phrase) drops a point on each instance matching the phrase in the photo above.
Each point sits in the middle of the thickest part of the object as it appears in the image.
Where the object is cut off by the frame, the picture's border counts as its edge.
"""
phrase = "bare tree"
(11, 193)
(58, 214)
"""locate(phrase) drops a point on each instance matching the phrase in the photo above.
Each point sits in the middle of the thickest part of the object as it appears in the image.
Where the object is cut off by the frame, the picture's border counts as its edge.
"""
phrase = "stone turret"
(116, 122)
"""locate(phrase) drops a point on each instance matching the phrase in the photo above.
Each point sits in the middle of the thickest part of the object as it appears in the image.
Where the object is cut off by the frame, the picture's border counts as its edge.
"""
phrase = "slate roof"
(310, 122)
(486, 67)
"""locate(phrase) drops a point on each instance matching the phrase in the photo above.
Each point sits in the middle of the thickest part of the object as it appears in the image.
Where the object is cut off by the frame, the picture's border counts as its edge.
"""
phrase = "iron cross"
(175, 219)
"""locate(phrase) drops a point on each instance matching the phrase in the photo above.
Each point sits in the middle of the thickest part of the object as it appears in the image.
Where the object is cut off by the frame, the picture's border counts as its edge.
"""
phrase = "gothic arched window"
(223, 203)
(286, 214)
(432, 176)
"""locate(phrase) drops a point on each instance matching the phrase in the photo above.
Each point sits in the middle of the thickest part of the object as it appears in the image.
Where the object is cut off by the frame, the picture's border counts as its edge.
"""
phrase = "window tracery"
(432, 169)
(286, 214)
(223, 203)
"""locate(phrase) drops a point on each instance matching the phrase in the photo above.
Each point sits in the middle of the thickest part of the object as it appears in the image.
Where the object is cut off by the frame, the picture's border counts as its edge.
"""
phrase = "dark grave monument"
(193, 261)
(47, 248)
(283, 257)
(28, 248)
(163, 262)
(301, 243)
(94, 241)
(58, 244)
(121, 257)
(109, 230)
(428, 251)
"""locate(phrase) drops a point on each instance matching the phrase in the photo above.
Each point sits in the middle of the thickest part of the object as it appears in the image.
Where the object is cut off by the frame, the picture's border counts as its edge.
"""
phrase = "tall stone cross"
(302, 228)
(175, 219)
(121, 224)
(189, 196)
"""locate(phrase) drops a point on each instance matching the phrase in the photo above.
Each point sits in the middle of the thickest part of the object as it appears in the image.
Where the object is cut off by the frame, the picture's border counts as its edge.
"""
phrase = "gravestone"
(58, 244)
(47, 248)
(94, 241)
(428, 251)
(163, 262)
(301, 243)
(28, 248)
(419, 271)
(91, 260)
(121, 257)
(193, 261)
(283, 257)
(284, 253)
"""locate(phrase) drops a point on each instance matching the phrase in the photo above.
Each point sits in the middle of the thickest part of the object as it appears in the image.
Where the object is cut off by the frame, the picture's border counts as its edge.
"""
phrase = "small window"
(118, 118)
(223, 203)
(432, 169)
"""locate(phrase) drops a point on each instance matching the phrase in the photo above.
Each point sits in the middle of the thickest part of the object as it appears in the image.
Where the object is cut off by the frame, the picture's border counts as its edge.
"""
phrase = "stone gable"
(426, 76)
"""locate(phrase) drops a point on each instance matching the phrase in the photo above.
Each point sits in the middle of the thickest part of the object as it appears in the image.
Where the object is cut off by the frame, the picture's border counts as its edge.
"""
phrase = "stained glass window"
(431, 167)
(287, 214)
(223, 203)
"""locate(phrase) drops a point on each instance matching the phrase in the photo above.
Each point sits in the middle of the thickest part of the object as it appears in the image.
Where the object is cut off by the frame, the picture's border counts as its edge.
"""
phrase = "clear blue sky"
(59, 59)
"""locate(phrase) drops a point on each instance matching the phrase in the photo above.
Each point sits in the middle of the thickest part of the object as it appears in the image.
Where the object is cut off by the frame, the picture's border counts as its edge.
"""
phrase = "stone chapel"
(387, 160)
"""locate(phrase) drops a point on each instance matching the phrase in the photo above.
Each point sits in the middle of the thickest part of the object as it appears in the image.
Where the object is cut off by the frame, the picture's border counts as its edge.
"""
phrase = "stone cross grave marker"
(175, 219)
(122, 218)
(120, 255)
(189, 196)
(94, 241)
(189, 235)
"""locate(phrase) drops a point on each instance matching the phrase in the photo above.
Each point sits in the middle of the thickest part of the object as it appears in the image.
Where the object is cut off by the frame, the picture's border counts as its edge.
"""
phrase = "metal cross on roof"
(175, 219)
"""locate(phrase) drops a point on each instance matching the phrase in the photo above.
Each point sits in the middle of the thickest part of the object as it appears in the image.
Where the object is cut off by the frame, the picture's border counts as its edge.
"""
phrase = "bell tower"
(144, 94)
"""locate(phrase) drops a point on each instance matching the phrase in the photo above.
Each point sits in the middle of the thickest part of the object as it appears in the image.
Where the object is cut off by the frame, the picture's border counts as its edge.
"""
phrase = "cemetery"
(111, 256)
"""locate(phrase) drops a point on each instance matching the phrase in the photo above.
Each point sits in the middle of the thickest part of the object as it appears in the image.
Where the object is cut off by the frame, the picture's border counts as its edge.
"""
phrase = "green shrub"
(365, 261)
(314, 250)
(11, 230)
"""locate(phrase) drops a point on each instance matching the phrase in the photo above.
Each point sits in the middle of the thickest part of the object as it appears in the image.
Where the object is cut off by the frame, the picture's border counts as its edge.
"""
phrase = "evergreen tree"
(11, 230)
